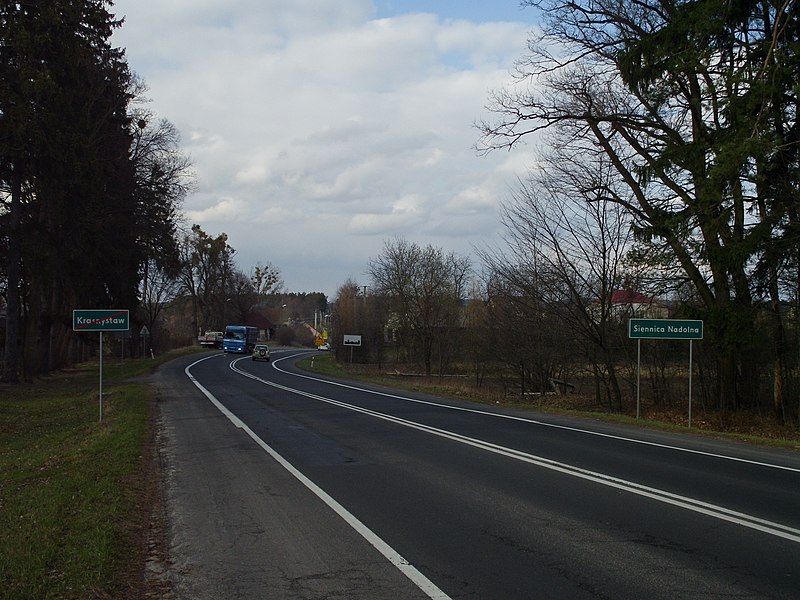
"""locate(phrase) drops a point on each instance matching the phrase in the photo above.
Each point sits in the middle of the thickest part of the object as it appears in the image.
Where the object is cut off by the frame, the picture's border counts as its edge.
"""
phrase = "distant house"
(266, 328)
(626, 304)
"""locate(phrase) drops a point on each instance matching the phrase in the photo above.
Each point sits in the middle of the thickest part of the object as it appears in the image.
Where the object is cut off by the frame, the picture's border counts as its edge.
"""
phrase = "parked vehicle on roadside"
(211, 339)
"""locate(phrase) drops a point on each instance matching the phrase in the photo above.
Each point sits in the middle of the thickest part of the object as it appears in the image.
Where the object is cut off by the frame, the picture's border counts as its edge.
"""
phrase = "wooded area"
(668, 168)
(91, 185)
(666, 183)
(681, 117)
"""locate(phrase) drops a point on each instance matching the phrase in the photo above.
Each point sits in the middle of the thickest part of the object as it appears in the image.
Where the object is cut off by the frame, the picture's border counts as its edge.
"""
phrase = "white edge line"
(534, 421)
(423, 583)
(698, 506)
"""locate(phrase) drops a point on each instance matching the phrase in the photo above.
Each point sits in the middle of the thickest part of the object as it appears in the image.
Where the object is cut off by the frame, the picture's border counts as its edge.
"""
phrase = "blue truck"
(239, 338)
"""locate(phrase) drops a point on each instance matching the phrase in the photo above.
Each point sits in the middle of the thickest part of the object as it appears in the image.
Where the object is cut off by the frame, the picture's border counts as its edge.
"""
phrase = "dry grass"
(742, 425)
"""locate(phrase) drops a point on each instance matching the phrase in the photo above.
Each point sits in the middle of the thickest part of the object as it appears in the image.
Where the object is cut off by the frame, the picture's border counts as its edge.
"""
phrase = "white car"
(261, 352)
(325, 347)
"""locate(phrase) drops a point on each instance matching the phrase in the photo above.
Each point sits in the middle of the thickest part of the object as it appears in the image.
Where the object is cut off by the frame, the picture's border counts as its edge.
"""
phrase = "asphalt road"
(283, 485)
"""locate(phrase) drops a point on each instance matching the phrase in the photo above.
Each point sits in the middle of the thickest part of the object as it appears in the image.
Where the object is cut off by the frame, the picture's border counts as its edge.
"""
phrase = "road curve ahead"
(286, 485)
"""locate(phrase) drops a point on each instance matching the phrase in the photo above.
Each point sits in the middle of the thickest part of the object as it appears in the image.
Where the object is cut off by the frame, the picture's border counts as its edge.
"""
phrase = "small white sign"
(351, 340)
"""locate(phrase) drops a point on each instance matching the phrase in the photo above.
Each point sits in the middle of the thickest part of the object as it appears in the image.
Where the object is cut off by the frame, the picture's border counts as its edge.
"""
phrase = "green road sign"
(114, 319)
(665, 329)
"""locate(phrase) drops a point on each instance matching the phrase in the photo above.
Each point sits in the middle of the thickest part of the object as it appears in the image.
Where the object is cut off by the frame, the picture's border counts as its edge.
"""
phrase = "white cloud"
(227, 209)
(317, 130)
(404, 213)
(252, 174)
(472, 200)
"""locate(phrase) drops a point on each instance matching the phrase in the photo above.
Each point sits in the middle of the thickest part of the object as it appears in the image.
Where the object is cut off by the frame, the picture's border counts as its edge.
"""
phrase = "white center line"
(405, 567)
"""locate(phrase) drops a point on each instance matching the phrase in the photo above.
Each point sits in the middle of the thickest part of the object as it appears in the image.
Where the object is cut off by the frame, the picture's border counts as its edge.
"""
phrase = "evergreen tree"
(69, 177)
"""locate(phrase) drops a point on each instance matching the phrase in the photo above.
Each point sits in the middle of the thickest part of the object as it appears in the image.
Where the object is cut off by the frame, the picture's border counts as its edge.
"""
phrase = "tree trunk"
(780, 348)
(615, 396)
(11, 366)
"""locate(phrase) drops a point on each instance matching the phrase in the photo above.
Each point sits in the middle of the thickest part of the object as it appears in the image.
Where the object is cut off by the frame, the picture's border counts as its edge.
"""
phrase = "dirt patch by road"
(145, 548)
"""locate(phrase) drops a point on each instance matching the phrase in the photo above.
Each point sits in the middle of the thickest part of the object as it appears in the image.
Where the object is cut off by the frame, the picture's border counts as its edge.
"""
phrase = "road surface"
(283, 485)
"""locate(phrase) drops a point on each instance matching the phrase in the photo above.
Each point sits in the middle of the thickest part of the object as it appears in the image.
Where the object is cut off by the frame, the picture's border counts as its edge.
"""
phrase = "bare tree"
(266, 279)
(207, 277)
(425, 288)
(163, 178)
(345, 317)
(695, 106)
(480, 347)
(240, 297)
(525, 337)
(160, 286)
(565, 254)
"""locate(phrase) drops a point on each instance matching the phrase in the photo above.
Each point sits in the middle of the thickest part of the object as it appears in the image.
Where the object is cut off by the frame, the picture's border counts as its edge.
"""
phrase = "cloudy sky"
(320, 129)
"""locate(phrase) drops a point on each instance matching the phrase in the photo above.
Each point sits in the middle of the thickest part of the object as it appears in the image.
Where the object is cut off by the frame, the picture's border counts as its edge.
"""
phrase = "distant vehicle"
(324, 346)
(211, 339)
(239, 338)
(261, 352)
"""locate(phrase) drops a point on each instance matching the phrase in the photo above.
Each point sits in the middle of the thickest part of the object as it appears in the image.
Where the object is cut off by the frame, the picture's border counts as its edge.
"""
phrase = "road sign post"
(352, 341)
(663, 329)
(100, 320)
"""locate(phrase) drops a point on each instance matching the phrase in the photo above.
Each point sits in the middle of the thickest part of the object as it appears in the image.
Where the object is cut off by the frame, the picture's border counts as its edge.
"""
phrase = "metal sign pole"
(113, 319)
(101, 376)
(638, 375)
(664, 329)
(690, 384)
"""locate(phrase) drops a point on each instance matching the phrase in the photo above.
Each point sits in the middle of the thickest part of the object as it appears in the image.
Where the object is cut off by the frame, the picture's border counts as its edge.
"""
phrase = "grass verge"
(70, 486)
(743, 427)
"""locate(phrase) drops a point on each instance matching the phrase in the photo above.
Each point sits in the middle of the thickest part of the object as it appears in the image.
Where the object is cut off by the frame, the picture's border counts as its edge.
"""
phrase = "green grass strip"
(69, 503)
